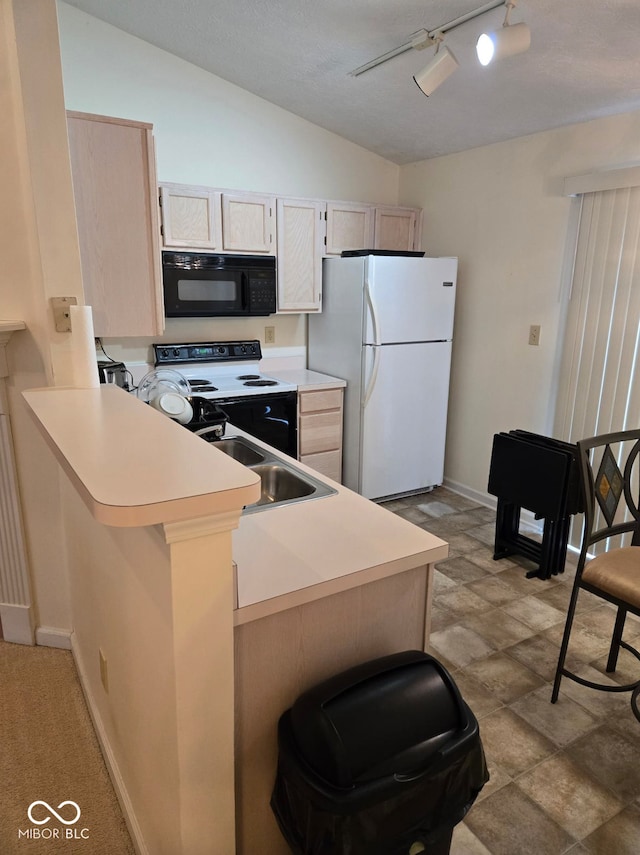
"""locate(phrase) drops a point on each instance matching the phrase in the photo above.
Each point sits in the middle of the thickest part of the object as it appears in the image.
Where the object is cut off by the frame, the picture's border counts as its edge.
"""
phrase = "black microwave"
(205, 285)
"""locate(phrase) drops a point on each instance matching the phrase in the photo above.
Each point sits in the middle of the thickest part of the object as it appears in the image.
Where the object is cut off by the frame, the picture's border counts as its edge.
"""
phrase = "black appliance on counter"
(541, 474)
(225, 376)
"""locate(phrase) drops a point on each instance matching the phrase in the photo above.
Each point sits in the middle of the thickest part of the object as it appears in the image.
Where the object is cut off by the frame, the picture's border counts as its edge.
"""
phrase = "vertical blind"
(598, 384)
(599, 388)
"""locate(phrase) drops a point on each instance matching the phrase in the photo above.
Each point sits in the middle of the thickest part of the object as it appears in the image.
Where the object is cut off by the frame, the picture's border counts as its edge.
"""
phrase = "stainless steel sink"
(281, 482)
(240, 451)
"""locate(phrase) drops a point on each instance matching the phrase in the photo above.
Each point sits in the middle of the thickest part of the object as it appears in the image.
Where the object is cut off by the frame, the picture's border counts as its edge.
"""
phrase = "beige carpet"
(49, 753)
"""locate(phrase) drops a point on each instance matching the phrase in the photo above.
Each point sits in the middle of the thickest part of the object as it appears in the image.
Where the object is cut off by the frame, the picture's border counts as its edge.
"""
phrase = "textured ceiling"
(584, 62)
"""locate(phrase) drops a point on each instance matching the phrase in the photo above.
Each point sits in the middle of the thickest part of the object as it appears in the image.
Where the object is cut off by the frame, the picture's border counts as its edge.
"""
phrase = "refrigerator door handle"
(372, 379)
(376, 354)
(372, 312)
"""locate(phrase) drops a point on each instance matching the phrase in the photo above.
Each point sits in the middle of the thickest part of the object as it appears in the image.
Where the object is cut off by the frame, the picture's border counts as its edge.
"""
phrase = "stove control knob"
(176, 352)
(221, 351)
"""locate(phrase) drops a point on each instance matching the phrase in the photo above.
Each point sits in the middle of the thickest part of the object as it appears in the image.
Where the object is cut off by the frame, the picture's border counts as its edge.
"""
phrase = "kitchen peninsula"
(321, 585)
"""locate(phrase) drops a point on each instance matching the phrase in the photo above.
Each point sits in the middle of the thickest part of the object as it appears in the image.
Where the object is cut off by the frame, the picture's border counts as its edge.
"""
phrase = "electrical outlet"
(534, 334)
(104, 674)
(269, 335)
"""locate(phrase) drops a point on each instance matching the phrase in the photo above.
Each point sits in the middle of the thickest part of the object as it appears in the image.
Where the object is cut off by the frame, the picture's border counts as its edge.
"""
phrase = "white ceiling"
(584, 62)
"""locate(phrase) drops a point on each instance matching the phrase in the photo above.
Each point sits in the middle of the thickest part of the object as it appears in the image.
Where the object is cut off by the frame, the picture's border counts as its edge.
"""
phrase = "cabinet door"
(247, 223)
(349, 226)
(397, 228)
(114, 184)
(300, 229)
(191, 217)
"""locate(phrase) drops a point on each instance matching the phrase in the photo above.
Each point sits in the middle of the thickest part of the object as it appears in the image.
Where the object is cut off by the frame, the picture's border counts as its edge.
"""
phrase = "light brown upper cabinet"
(300, 248)
(398, 228)
(349, 226)
(355, 226)
(191, 217)
(248, 223)
(114, 183)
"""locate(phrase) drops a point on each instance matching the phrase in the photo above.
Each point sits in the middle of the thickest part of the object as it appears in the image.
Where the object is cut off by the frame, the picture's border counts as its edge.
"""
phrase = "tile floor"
(564, 777)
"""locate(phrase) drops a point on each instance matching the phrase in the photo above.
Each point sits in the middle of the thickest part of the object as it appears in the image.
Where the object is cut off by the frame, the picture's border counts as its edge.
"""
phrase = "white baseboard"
(109, 757)
(470, 493)
(17, 623)
(526, 517)
(49, 636)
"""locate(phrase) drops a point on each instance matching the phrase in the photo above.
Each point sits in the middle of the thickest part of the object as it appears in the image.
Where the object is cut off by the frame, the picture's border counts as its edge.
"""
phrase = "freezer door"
(404, 418)
(409, 299)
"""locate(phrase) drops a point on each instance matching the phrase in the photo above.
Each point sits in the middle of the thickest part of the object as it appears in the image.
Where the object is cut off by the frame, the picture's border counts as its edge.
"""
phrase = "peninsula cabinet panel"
(279, 657)
(349, 226)
(397, 228)
(300, 229)
(114, 184)
(191, 217)
(247, 223)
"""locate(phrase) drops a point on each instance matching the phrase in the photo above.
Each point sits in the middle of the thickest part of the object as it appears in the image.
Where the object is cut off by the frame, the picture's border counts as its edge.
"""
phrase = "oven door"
(271, 418)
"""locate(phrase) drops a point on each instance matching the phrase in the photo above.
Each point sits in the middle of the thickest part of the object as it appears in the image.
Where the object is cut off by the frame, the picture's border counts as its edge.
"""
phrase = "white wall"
(499, 208)
(40, 259)
(211, 132)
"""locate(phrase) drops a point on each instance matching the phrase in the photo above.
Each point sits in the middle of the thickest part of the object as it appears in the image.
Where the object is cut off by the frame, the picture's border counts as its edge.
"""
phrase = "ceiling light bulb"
(436, 72)
(509, 41)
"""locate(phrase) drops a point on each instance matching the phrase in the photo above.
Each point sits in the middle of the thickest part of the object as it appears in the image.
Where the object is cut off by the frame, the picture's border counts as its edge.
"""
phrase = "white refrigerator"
(386, 327)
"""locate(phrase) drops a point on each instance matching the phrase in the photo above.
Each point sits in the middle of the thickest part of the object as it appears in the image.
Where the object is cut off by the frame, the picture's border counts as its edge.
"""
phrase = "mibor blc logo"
(53, 823)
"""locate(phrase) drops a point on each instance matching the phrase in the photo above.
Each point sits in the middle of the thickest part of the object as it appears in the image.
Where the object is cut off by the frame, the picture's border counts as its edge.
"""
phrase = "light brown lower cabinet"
(280, 656)
(320, 431)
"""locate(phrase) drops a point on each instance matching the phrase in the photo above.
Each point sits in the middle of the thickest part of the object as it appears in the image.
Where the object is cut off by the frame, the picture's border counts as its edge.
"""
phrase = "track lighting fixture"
(436, 72)
(509, 41)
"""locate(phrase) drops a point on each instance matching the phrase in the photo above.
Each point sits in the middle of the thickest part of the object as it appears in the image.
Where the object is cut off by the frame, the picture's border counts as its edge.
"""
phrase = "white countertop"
(306, 380)
(297, 553)
(132, 465)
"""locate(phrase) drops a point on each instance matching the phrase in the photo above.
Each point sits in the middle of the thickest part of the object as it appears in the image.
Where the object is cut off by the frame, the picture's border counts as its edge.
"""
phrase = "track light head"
(436, 72)
(509, 41)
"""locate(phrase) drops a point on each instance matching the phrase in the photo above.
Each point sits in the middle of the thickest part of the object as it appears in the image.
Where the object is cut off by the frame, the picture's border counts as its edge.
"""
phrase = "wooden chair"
(610, 481)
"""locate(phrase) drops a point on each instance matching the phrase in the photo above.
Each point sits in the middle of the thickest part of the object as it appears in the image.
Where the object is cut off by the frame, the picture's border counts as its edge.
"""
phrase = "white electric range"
(228, 374)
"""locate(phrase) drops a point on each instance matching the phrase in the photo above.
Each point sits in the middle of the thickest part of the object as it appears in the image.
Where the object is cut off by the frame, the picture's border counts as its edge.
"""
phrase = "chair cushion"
(617, 573)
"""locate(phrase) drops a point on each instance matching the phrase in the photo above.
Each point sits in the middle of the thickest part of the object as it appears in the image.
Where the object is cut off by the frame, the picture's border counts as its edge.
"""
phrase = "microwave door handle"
(243, 290)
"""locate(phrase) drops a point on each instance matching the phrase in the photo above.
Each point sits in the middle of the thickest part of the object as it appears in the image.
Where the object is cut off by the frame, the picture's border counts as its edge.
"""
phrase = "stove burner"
(261, 383)
(202, 385)
(248, 377)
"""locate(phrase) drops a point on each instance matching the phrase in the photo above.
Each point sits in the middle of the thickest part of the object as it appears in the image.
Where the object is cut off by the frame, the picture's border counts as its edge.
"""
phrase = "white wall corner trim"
(17, 623)
(49, 636)
(109, 756)
(606, 179)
